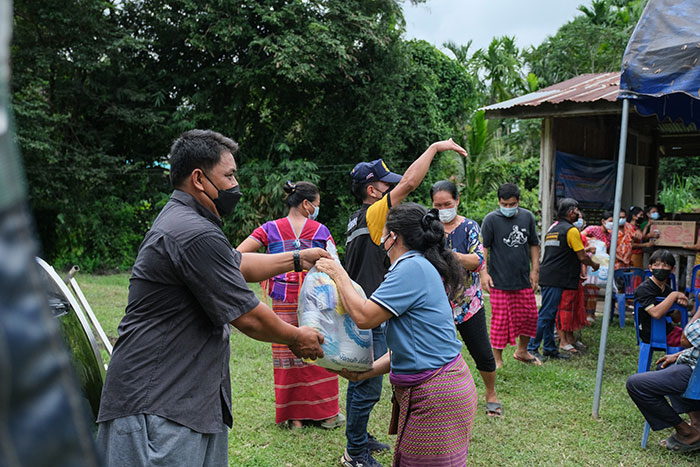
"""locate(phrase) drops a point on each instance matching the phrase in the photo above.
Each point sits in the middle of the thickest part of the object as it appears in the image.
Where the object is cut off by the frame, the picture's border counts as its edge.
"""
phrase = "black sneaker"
(556, 355)
(537, 355)
(375, 445)
(360, 460)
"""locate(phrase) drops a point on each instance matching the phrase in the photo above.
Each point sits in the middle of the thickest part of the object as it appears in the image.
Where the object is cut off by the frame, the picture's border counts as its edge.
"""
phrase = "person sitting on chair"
(661, 264)
(649, 391)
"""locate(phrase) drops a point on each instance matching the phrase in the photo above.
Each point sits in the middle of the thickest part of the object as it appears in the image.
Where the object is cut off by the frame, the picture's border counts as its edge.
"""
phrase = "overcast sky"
(530, 21)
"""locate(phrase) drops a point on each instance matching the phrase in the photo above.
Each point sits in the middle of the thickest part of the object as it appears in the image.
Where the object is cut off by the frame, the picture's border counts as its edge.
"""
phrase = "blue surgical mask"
(654, 215)
(508, 212)
(314, 214)
(622, 222)
(579, 223)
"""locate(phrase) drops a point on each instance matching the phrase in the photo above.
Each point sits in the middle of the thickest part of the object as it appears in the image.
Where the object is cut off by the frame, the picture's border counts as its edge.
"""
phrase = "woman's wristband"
(297, 261)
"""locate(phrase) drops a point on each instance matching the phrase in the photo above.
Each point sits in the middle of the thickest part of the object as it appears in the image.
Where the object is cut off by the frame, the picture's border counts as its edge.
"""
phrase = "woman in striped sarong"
(433, 386)
(303, 392)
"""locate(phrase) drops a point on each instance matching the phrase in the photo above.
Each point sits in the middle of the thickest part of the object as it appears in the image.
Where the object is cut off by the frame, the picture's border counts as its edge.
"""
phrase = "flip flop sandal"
(531, 361)
(494, 409)
(338, 422)
(569, 348)
(672, 444)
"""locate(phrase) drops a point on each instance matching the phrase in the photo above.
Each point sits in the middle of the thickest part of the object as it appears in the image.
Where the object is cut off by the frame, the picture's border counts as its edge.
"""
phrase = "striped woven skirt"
(436, 418)
(302, 391)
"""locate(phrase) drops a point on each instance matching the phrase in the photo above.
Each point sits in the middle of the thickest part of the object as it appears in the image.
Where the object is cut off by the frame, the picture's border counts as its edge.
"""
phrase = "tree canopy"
(307, 87)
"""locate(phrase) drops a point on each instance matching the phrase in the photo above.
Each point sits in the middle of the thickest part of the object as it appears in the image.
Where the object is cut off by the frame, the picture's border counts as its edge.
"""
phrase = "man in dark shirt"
(512, 256)
(561, 269)
(366, 263)
(661, 263)
(167, 393)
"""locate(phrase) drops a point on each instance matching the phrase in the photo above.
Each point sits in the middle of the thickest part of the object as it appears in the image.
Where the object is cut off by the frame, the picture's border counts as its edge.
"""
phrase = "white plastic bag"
(346, 345)
(599, 278)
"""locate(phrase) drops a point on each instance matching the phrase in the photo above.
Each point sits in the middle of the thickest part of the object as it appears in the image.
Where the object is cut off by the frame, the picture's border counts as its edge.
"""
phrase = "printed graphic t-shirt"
(508, 240)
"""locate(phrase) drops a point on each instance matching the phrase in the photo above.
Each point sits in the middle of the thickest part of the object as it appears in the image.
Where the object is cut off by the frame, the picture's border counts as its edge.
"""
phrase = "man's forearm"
(262, 324)
(416, 172)
(535, 257)
(257, 267)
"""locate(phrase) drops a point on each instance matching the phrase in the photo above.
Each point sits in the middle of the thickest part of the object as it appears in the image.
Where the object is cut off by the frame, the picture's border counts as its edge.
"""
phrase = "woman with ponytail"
(303, 392)
(424, 357)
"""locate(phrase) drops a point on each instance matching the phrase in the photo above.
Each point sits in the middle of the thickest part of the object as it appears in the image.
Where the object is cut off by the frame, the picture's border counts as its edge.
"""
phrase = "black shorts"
(476, 337)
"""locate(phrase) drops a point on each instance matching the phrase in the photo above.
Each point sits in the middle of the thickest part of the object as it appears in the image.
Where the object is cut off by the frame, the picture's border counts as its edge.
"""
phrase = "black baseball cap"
(366, 172)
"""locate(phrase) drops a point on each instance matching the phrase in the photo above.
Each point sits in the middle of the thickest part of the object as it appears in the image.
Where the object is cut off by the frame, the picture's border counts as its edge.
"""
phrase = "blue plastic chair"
(632, 278)
(657, 341)
(693, 389)
(691, 289)
(647, 273)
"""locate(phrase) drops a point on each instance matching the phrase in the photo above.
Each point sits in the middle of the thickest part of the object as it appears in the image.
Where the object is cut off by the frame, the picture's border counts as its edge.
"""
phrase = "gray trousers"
(150, 440)
(649, 391)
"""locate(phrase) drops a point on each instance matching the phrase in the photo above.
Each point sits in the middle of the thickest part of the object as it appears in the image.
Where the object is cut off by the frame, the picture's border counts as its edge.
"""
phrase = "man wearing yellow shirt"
(560, 269)
(366, 262)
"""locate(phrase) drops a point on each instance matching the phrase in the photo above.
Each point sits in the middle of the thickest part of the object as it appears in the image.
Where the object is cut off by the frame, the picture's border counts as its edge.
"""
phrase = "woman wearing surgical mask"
(603, 232)
(463, 238)
(304, 393)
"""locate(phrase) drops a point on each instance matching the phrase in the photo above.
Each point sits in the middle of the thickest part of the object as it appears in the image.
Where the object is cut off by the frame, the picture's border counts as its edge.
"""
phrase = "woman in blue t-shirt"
(424, 357)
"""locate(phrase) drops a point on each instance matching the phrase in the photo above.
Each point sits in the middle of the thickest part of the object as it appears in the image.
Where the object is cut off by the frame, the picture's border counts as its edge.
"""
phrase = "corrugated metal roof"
(585, 88)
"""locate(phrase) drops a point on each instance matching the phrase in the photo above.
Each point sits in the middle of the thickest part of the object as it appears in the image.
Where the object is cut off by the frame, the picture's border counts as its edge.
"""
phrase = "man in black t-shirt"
(661, 263)
(511, 246)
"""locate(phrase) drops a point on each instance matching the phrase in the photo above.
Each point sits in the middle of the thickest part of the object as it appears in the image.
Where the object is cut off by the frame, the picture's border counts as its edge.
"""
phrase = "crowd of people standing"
(424, 273)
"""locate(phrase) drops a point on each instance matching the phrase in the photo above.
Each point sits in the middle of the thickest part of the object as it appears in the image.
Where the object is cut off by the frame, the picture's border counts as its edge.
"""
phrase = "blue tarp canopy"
(661, 65)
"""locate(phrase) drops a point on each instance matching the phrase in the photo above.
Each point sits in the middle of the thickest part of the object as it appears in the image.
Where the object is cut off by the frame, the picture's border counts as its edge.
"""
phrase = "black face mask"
(387, 260)
(226, 201)
(661, 274)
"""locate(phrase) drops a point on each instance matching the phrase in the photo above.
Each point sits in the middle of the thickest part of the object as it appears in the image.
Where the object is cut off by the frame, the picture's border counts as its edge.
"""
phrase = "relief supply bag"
(599, 278)
(346, 345)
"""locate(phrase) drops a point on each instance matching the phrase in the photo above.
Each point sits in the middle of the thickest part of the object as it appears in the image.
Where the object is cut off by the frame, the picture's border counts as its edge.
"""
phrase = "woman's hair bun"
(428, 219)
(289, 187)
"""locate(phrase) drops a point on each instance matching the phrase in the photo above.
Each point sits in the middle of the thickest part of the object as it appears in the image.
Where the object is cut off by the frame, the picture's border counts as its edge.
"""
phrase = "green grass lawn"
(547, 418)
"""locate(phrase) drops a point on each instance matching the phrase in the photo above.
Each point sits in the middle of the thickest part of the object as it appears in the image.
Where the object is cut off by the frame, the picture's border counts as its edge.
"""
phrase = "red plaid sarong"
(513, 314)
(571, 314)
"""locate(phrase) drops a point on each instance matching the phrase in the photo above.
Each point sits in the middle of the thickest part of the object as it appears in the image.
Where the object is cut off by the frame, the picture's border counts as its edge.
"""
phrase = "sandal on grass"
(533, 361)
(569, 348)
(494, 409)
(672, 444)
(336, 423)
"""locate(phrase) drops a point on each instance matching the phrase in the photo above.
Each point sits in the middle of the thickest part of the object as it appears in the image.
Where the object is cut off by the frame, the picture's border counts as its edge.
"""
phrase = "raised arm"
(416, 172)
(365, 313)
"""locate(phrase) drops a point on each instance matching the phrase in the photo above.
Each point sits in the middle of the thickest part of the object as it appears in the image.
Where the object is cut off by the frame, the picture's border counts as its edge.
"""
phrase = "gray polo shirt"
(172, 355)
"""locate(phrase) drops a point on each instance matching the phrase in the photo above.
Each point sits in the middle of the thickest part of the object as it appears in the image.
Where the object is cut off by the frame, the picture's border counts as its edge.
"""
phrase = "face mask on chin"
(226, 200)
